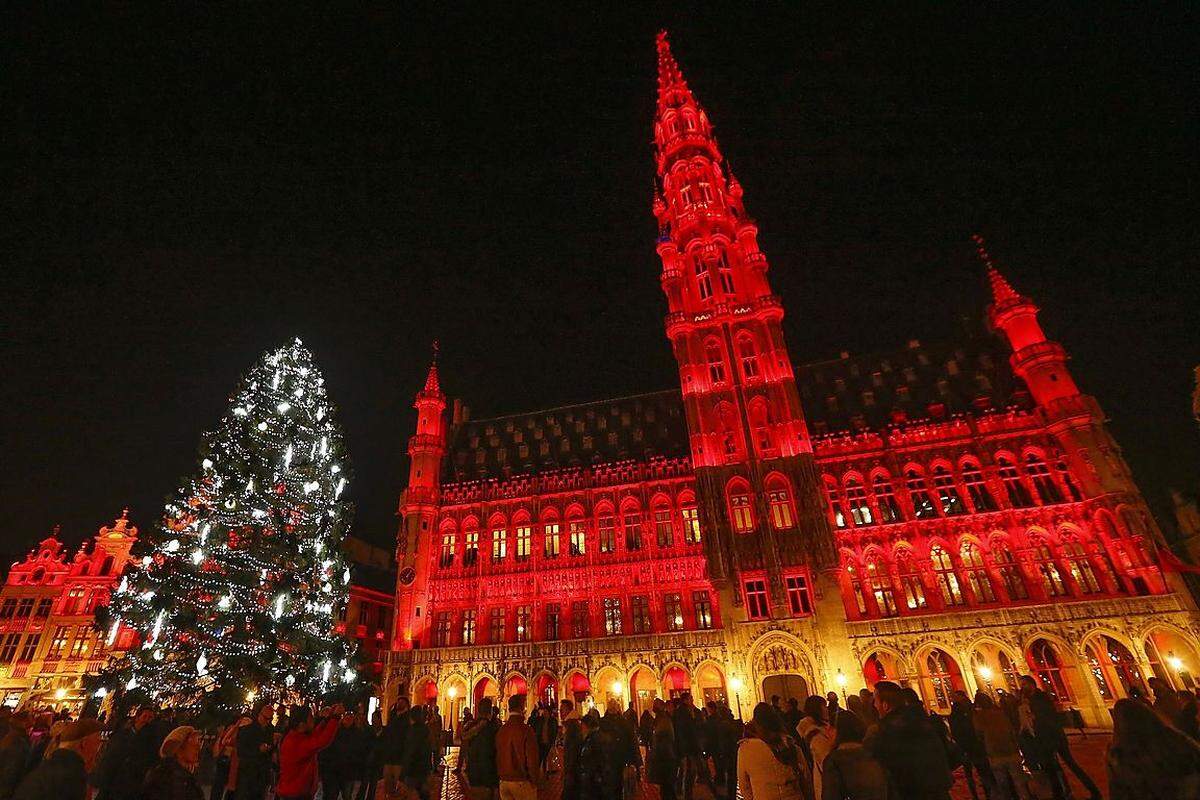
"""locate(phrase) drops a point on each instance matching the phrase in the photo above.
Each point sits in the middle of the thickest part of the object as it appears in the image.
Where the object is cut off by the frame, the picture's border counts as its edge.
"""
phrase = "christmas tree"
(237, 596)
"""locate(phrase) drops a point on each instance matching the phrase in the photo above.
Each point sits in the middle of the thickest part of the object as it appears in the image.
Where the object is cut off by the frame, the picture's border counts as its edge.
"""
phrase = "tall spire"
(432, 385)
(1002, 290)
(672, 88)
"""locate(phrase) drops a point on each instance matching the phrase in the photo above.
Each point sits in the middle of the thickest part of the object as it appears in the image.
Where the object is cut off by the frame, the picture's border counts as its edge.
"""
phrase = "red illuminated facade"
(947, 516)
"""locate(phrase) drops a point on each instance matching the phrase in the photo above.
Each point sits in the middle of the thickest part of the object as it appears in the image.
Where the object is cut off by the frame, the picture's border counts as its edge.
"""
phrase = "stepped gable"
(867, 392)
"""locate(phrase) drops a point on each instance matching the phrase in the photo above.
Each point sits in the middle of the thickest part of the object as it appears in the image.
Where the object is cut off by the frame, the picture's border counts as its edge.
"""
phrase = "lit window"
(977, 489)
(749, 357)
(608, 533)
(881, 586)
(780, 503)
(1048, 668)
(1052, 582)
(703, 279)
(856, 587)
(704, 191)
(523, 616)
(29, 649)
(702, 605)
(1068, 480)
(551, 543)
(1010, 573)
(691, 524)
(8, 651)
(663, 529)
(524, 536)
(922, 504)
(633, 530)
(856, 498)
(641, 614)
(1081, 568)
(716, 363)
(1043, 483)
(447, 557)
(496, 626)
(943, 568)
(885, 499)
(441, 629)
(835, 503)
(468, 627)
(756, 600)
(673, 611)
(947, 493)
(743, 516)
(724, 271)
(578, 537)
(553, 612)
(59, 643)
(612, 616)
(499, 544)
(471, 549)
(1010, 476)
(799, 600)
(910, 580)
(976, 573)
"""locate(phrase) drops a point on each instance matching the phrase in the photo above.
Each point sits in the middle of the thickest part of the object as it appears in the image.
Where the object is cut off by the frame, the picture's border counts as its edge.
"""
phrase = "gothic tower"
(750, 446)
(418, 507)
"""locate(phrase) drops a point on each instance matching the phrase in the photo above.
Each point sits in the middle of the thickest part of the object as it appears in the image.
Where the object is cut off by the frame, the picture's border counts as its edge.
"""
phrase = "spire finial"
(670, 77)
(432, 384)
(125, 513)
(56, 532)
(1002, 290)
(437, 347)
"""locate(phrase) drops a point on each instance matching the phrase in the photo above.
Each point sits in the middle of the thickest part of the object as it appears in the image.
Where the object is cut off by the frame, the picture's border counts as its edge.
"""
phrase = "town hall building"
(946, 516)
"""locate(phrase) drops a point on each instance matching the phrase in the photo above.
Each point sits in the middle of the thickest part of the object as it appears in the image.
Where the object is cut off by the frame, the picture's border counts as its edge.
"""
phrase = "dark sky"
(185, 189)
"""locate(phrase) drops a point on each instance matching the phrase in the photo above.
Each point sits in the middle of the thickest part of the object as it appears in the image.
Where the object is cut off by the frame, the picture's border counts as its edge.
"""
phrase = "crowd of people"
(883, 745)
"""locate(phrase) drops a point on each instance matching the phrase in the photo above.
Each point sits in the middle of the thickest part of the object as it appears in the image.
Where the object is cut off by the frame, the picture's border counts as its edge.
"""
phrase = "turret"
(418, 507)
(1038, 361)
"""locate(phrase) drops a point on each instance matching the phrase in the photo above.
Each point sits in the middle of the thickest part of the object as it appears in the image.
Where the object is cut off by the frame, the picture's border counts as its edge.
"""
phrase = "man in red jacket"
(298, 752)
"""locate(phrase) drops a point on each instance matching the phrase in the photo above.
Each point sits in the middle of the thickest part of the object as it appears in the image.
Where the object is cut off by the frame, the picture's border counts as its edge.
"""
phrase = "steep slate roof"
(851, 393)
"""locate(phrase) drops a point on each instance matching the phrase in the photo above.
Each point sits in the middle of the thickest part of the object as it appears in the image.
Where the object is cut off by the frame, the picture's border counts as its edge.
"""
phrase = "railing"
(571, 648)
(614, 473)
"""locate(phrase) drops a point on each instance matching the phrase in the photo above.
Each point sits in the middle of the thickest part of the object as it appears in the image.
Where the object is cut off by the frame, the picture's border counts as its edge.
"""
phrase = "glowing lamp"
(985, 672)
(618, 687)
(735, 684)
(1176, 662)
(452, 692)
(841, 679)
(60, 693)
(250, 696)
(101, 693)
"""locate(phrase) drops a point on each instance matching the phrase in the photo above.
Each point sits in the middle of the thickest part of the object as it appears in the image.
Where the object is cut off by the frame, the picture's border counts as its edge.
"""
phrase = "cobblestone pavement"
(1089, 751)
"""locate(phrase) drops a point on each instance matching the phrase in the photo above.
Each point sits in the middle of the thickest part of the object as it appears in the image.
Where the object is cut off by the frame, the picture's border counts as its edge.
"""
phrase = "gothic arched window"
(885, 498)
(1010, 573)
(749, 356)
(918, 493)
(716, 361)
(881, 585)
(943, 568)
(1080, 567)
(703, 278)
(833, 497)
(1010, 476)
(1043, 482)
(779, 501)
(910, 580)
(947, 492)
(856, 498)
(1052, 581)
(741, 507)
(976, 572)
(1044, 661)
(977, 489)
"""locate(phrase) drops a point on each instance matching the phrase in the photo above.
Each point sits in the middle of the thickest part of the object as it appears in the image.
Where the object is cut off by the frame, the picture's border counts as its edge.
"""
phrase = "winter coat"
(168, 780)
(816, 740)
(417, 761)
(762, 775)
(851, 773)
(254, 765)
(60, 777)
(663, 759)
(911, 751)
(393, 740)
(596, 777)
(996, 733)
(962, 730)
(14, 757)
(1166, 769)
(298, 759)
(129, 756)
(481, 754)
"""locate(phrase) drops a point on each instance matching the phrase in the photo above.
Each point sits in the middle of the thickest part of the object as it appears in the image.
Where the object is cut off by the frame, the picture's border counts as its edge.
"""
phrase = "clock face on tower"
(407, 576)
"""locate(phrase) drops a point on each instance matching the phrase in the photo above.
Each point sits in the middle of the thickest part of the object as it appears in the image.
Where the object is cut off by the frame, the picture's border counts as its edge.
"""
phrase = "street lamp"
(735, 685)
(1176, 662)
(841, 682)
(452, 692)
(618, 688)
(985, 672)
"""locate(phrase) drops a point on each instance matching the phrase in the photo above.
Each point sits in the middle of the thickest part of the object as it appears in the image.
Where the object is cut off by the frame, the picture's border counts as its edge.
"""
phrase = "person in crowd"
(597, 773)
(372, 768)
(174, 776)
(815, 738)
(832, 707)
(870, 716)
(1166, 702)
(1189, 714)
(298, 751)
(14, 752)
(854, 706)
(908, 747)
(336, 763)
(479, 741)
(1045, 741)
(130, 754)
(224, 750)
(517, 759)
(1149, 758)
(255, 745)
(646, 728)
(622, 749)
(793, 714)
(416, 764)
(547, 732)
(999, 740)
(572, 742)
(850, 772)
(63, 775)
(686, 719)
(970, 749)
(437, 734)
(770, 766)
(631, 716)
(663, 757)
(392, 742)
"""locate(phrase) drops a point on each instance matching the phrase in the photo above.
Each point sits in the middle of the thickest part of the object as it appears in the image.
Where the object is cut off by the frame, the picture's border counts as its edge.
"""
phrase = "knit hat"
(82, 729)
(175, 740)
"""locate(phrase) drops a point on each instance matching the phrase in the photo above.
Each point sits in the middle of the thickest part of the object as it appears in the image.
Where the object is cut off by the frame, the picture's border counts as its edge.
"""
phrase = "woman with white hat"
(174, 776)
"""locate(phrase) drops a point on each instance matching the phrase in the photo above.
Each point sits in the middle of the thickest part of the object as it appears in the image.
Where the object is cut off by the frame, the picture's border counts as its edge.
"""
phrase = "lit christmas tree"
(238, 594)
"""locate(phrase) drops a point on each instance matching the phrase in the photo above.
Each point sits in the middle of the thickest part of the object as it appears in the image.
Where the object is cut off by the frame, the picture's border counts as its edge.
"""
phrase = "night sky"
(185, 189)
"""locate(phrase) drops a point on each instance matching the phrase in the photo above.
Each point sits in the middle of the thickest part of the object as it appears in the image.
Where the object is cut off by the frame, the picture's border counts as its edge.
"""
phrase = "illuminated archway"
(485, 687)
(676, 681)
(1113, 668)
(995, 667)
(643, 689)
(610, 685)
(516, 684)
(940, 676)
(884, 665)
(1172, 658)
(710, 685)
(453, 701)
(577, 686)
(427, 692)
(547, 688)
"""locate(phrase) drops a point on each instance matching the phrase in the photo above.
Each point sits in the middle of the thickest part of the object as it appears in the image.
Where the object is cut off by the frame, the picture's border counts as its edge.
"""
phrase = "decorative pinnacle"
(670, 77)
(432, 385)
(1002, 290)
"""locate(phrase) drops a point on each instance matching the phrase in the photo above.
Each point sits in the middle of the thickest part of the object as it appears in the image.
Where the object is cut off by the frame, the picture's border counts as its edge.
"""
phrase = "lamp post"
(985, 672)
(735, 685)
(1175, 663)
(841, 682)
